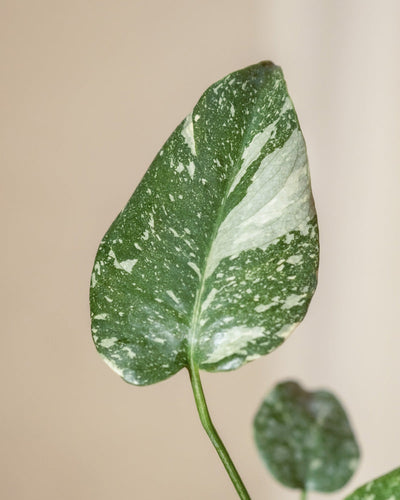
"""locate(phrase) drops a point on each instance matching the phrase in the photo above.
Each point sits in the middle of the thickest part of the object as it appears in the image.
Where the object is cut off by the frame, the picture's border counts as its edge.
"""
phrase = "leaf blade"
(386, 487)
(228, 195)
(305, 439)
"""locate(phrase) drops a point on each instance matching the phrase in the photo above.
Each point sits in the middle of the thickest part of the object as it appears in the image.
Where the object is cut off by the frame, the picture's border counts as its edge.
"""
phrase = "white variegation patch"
(125, 265)
(263, 216)
(93, 280)
(188, 134)
(233, 341)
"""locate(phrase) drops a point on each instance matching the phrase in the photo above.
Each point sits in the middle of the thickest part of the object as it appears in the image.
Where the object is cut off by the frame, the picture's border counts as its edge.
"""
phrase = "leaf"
(386, 487)
(305, 438)
(213, 260)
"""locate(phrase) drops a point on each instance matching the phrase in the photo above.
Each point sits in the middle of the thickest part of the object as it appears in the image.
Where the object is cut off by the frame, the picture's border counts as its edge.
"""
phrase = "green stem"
(212, 433)
(304, 495)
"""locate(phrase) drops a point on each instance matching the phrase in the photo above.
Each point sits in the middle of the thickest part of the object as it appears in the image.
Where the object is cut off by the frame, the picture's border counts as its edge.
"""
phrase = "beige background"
(89, 91)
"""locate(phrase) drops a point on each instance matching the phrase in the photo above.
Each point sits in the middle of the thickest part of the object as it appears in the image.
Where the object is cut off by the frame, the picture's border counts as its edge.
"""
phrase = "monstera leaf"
(386, 487)
(305, 438)
(213, 260)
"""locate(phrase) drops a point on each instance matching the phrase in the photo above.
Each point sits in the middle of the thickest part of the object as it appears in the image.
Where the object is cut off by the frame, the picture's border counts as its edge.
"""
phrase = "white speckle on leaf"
(263, 307)
(180, 168)
(108, 299)
(353, 464)
(196, 118)
(129, 352)
(145, 235)
(315, 464)
(159, 340)
(151, 221)
(93, 280)
(173, 296)
(295, 259)
(174, 232)
(191, 168)
(195, 268)
(171, 197)
(108, 342)
(293, 301)
(210, 297)
(188, 135)
(101, 316)
(127, 265)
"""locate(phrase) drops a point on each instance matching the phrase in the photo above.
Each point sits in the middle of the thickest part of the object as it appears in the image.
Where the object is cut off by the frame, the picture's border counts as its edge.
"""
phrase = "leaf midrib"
(196, 313)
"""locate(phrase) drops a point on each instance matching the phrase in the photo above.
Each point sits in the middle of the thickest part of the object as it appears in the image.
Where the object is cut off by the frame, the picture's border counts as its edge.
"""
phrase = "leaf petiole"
(303, 495)
(212, 432)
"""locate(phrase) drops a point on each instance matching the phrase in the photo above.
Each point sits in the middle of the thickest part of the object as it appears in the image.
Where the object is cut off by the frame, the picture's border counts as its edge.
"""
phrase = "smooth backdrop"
(89, 91)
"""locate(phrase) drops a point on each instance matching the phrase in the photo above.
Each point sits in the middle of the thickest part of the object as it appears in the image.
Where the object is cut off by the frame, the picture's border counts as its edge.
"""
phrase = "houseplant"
(213, 261)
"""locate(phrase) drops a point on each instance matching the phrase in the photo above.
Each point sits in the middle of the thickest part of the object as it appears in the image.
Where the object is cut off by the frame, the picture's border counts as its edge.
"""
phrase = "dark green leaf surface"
(386, 487)
(305, 439)
(214, 258)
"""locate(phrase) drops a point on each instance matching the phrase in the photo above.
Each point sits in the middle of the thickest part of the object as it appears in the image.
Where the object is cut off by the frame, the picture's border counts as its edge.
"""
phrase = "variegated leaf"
(214, 257)
(386, 487)
(305, 438)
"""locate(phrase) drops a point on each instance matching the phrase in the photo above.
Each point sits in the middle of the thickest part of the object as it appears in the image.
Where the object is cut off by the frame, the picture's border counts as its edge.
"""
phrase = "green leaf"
(386, 487)
(213, 260)
(305, 438)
